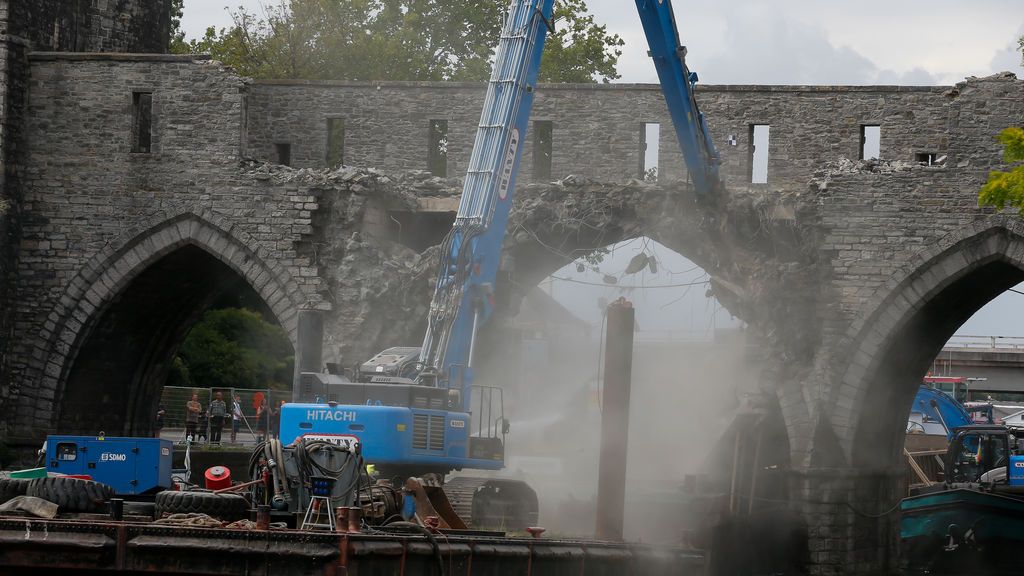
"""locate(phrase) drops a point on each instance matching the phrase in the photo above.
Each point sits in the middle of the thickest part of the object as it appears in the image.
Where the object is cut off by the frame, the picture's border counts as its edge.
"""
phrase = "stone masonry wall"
(13, 76)
(816, 268)
(904, 256)
(91, 25)
(596, 128)
(131, 26)
(88, 198)
(877, 219)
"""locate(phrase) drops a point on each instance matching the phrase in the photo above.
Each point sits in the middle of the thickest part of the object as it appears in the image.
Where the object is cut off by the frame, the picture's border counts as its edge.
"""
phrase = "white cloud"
(763, 47)
(863, 42)
(198, 15)
(795, 41)
(1009, 58)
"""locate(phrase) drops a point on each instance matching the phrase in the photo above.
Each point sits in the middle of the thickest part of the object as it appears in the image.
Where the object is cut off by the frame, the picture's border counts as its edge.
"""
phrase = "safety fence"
(258, 411)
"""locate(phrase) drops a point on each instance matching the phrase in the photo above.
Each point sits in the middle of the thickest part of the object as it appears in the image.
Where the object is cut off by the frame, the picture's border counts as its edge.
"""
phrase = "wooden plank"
(917, 468)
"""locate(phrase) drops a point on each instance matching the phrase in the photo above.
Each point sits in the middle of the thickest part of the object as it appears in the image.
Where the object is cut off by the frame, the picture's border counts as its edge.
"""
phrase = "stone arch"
(892, 343)
(552, 226)
(102, 280)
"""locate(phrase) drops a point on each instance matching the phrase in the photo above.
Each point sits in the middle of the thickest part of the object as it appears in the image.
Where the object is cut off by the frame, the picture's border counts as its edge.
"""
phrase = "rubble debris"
(32, 505)
(749, 240)
(824, 175)
(414, 182)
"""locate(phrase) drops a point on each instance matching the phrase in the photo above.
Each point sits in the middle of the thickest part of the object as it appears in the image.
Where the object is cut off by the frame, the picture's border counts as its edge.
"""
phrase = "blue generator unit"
(128, 465)
(1015, 471)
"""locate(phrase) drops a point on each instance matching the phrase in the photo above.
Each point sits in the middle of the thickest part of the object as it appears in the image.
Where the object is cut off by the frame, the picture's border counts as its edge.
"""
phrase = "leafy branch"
(1007, 188)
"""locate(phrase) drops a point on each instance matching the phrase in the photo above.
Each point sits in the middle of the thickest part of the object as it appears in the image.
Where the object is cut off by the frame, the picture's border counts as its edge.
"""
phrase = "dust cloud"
(684, 395)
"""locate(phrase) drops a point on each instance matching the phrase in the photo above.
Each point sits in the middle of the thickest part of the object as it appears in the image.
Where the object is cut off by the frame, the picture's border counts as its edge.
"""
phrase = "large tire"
(11, 487)
(227, 507)
(71, 494)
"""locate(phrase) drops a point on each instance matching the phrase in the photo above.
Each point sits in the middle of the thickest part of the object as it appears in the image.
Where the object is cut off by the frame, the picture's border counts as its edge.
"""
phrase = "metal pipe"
(735, 472)
(116, 508)
(472, 338)
(618, 367)
(263, 517)
(238, 486)
(355, 519)
(341, 518)
(309, 351)
(754, 472)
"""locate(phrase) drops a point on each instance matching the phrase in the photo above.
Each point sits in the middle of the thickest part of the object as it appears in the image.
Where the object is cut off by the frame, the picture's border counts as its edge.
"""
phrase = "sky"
(773, 42)
(796, 41)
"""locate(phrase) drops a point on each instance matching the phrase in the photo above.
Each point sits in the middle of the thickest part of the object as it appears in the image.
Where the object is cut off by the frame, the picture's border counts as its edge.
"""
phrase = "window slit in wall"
(284, 153)
(650, 133)
(926, 158)
(542, 147)
(437, 148)
(758, 156)
(335, 142)
(870, 142)
(142, 122)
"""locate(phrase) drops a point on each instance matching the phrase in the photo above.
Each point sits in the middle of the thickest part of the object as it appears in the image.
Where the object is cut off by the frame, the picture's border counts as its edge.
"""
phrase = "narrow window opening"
(926, 158)
(437, 148)
(650, 134)
(335, 142)
(870, 142)
(758, 160)
(284, 153)
(142, 122)
(542, 146)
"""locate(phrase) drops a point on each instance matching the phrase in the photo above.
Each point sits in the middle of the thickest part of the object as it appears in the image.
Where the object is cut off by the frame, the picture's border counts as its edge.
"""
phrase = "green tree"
(234, 348)
(1020, 42)
(580, 49)
(1007, 188)
(177, 45)
(400, 40)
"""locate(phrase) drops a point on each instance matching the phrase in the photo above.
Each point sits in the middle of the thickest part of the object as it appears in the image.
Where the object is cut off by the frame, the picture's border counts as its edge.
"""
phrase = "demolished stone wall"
(596, 128)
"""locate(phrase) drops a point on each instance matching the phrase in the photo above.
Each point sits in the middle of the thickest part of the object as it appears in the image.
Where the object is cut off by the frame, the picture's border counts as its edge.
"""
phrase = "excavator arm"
(471, 252)
(677, 85)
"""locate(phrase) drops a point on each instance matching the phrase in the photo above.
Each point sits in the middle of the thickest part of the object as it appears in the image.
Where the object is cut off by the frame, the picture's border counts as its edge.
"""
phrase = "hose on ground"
(416, 528)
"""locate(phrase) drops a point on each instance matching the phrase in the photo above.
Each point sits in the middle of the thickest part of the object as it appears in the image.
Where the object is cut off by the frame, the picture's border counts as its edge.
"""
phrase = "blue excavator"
(418, 410)
(938, 410)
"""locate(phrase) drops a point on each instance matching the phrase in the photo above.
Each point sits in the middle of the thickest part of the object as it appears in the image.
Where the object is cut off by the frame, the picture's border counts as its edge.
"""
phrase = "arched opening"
(115, 380)
(693, 368)
(906, 332)
(905, 363)
(983, 360)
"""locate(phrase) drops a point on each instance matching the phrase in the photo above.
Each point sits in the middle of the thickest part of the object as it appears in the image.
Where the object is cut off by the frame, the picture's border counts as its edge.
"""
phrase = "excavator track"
(493, 503)
(460, 491)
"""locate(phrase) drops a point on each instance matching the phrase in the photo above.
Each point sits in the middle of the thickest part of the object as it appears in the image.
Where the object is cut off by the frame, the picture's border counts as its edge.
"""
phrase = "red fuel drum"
(217, 477)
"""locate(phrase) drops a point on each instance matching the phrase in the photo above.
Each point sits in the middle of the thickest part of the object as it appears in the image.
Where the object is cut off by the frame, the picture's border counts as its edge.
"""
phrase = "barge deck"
(89, 546)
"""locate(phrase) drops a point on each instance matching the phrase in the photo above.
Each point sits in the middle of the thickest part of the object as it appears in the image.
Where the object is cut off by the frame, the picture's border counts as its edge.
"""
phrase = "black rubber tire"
(11, 487)
(71, 494)
(228, 507)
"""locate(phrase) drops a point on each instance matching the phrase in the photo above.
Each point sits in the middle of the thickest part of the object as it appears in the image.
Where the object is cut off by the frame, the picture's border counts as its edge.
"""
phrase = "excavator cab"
(975, 450)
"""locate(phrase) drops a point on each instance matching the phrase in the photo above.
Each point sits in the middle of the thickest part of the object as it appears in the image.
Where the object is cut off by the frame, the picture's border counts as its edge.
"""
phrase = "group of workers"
(199, 422)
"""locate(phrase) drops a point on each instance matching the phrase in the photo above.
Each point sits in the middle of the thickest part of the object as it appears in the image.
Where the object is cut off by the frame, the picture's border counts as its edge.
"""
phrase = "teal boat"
(962, 531)
(973, 523)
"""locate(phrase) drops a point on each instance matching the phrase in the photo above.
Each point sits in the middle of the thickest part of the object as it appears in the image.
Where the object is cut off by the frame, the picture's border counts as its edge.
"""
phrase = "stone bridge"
(140, 189)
